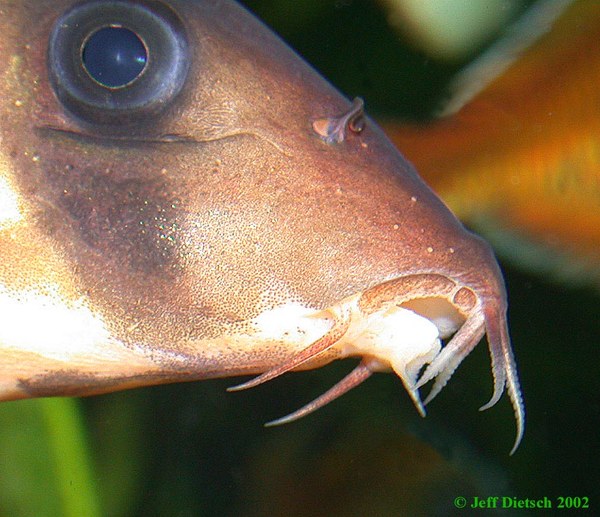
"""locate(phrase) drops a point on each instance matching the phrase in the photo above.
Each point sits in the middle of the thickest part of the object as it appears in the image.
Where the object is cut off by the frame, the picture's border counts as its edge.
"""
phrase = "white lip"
(394, 338)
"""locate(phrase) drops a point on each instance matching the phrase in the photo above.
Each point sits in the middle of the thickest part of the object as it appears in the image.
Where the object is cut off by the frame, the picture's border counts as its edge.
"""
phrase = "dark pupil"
(114, 56)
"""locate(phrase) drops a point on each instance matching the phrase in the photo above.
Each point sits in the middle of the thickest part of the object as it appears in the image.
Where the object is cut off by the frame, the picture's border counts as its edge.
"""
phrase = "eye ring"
(149, 92)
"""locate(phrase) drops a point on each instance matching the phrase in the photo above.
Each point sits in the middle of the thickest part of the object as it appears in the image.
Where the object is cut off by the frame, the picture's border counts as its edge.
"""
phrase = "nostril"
(333, 130)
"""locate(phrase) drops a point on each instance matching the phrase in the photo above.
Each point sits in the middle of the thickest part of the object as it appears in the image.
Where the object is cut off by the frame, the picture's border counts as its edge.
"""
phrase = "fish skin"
(150, 245)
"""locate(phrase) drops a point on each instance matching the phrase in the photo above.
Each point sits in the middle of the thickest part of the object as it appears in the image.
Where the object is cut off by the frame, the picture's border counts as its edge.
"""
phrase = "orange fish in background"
(522, 160)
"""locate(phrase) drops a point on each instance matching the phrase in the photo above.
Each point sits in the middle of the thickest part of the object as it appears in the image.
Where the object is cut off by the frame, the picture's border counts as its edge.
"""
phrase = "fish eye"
(114, 56)
(117, 62)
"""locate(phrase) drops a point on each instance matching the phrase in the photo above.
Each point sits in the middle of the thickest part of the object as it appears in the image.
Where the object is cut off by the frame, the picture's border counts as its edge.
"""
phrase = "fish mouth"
(395, 338)
(400, 334)
(420, 326)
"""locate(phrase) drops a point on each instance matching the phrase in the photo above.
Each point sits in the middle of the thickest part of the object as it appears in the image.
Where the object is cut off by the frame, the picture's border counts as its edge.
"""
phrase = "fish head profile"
(182, 197)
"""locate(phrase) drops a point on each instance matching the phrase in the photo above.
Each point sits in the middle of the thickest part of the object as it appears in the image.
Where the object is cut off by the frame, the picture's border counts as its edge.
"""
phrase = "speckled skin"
(178, 229)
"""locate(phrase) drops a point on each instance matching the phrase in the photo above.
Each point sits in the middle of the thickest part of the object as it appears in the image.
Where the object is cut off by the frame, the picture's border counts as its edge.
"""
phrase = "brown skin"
(172, 227)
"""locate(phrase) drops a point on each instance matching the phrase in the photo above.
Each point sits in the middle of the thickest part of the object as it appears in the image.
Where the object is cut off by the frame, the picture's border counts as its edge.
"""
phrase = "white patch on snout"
(9, 205)
(43, 323)
(291, 322)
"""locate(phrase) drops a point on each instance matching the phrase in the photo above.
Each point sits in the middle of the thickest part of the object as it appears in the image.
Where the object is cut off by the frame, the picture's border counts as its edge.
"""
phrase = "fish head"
(218, 210)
